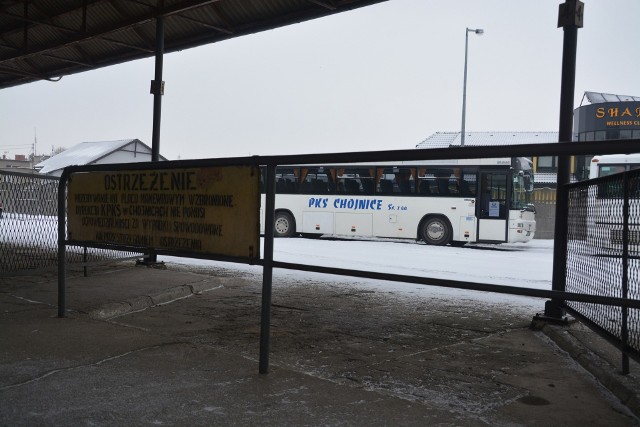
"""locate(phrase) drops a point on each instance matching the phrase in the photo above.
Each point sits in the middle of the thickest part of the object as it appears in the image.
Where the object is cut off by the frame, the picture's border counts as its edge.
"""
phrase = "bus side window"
(290, 186)
(351, 186)
(287, 180)
(320, 187)
(405, 186)
(454, 186)
(367, 185)
(465, 190)
(285, 186)
(404, 179)
(386, 186)
(443, 186)
(424, 188)
(306, 186)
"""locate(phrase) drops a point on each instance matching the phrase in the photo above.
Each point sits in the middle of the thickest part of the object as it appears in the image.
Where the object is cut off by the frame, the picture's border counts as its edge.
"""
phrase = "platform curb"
(116, 309)
(607, 374)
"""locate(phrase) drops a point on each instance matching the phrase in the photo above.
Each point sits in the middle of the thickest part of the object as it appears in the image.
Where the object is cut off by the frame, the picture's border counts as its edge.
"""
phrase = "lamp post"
(464, 87)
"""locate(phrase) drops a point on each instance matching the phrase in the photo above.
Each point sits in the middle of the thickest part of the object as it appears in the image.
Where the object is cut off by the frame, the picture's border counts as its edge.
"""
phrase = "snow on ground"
(522, 265)
(26, 229)
(518, 264)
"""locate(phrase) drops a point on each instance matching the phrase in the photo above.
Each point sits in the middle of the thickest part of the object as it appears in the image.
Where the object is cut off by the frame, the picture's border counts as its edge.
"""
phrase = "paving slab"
(180, 348)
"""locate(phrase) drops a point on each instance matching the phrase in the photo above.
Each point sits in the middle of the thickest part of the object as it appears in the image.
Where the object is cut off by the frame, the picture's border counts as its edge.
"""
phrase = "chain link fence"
(603, 253)
(29, 226)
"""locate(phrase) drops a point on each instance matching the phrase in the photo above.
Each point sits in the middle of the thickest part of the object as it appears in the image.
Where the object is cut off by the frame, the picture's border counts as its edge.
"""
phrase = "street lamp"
(464, 87)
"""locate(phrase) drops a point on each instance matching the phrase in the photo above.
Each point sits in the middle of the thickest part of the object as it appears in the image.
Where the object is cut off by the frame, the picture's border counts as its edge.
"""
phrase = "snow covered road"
(522, 265)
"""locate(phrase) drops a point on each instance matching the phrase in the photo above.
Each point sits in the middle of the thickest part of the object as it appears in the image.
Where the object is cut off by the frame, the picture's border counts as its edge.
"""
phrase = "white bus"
(440, 202)
(605, 219)
(613, 163)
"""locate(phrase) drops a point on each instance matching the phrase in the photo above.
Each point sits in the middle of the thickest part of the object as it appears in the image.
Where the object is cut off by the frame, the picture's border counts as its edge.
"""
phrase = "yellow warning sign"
(207, 210)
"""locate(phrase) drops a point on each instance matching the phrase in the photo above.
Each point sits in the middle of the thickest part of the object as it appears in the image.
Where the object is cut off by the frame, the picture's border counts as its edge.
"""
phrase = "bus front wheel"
(436, 231)
(283, 225)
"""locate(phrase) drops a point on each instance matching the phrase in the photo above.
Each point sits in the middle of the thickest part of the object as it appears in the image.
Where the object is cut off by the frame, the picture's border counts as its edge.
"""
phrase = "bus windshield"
(522, 184)
(611, 164)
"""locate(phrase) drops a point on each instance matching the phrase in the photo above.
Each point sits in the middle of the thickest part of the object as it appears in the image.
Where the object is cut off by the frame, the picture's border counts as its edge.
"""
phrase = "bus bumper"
(523, 228)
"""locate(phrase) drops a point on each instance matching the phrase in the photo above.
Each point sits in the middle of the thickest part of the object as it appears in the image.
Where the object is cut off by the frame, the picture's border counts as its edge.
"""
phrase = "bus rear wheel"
(436, 231)
(284, 225)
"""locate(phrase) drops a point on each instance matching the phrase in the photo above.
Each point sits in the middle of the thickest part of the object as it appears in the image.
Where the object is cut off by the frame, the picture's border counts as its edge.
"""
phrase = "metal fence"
(603, 255)
(544, 195)
(29, 226)
(603, 234)
(556, 294)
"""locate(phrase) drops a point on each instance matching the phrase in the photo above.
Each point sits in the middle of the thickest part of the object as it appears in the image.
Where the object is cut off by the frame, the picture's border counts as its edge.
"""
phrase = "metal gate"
(603, 255)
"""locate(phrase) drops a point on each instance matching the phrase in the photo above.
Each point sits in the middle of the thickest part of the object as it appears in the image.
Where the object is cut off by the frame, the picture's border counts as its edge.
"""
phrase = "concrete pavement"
(145, 346)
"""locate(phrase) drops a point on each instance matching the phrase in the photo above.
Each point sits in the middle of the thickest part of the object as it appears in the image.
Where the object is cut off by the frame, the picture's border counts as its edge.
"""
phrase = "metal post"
(464, 85)
(624, 333)
(464, 88)
(570, 18)
(267, 271)
(157, 89)
(62, 248)
(84, 261)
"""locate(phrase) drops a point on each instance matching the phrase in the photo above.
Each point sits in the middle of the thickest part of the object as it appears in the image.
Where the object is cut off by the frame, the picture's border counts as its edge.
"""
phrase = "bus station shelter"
(49, 40)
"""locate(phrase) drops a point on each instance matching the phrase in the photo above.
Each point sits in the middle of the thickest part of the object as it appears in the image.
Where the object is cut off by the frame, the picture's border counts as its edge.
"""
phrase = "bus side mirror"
(529, 207)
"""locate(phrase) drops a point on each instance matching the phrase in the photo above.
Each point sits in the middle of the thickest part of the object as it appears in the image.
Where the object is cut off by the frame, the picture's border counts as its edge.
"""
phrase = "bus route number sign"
(207, 210)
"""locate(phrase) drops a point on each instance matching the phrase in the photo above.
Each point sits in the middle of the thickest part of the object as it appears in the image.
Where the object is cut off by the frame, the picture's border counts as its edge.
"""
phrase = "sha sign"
(609, 115)
(619, 114)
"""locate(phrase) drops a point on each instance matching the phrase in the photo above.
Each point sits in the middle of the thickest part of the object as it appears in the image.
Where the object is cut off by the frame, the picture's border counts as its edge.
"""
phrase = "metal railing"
(268, 263)
(29, 227)
(603, 256)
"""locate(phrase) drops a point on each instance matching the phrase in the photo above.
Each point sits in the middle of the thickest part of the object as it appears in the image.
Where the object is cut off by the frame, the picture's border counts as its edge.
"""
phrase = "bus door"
(493, 206)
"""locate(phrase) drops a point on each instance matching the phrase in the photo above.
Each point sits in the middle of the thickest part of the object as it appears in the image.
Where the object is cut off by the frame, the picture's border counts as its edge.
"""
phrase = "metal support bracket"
(157, 87)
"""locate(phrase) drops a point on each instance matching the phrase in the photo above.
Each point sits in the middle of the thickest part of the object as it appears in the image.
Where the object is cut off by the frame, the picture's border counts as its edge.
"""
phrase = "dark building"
(606, 117)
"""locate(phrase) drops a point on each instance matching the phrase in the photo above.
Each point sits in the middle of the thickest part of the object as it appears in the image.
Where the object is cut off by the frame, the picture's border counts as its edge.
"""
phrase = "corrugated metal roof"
(46, 39)
(447, 139)
(550, 178)
(546, 178)
(85, 153)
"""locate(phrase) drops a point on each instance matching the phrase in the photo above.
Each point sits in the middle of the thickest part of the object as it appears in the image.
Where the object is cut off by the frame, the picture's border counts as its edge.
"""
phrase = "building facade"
(606, 117)
(600, 117)
(20, 163)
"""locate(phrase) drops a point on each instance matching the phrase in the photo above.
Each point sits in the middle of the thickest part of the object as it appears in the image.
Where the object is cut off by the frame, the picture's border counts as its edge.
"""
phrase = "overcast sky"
(381, 77)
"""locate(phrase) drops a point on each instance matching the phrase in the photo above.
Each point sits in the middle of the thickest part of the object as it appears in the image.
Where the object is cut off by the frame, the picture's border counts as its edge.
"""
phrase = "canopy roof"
(47, 39)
